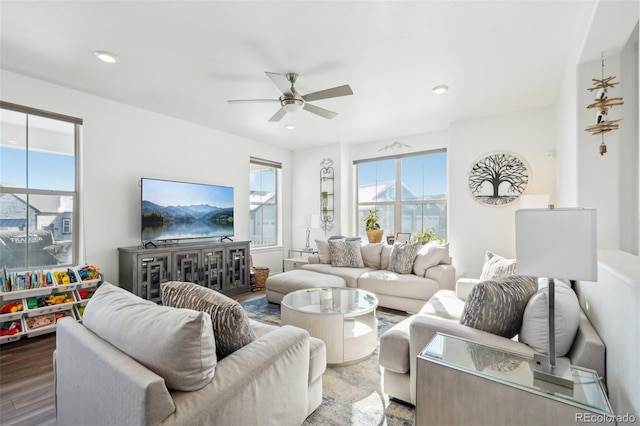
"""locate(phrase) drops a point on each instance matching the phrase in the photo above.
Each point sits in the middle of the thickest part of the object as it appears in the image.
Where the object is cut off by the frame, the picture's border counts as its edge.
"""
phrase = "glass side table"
(461, 382)
(302, 251)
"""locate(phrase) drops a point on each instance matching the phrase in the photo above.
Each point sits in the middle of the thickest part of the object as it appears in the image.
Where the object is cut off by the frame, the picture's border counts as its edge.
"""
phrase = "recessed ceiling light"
(289, 127)
(440, 89)
(107, 57)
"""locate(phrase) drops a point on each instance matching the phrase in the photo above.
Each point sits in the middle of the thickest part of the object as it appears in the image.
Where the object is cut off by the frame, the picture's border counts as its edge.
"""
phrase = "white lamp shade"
(557, 243)
(309, 221)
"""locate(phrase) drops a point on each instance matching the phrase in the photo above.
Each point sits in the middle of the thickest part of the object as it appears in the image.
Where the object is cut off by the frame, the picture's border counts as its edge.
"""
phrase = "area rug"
(352, 395)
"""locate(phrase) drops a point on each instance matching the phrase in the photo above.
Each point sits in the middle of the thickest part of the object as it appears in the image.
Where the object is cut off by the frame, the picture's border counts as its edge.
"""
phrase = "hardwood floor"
(27, 394)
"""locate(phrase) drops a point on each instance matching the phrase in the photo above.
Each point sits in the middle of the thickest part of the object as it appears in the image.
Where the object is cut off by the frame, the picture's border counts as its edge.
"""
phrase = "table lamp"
(310, 221)
(560, 244)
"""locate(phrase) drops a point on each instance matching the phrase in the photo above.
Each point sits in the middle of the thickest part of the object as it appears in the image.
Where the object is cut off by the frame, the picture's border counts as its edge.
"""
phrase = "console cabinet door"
(186, 265)
(152, 272)
(238, 270)
(214, 270)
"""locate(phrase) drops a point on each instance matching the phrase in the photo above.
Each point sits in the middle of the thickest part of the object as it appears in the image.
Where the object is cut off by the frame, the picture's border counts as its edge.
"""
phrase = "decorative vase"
(375, 235)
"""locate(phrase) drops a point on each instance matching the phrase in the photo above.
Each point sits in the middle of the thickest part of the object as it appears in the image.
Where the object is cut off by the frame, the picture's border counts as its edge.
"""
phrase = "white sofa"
(400, 345)
(276, 379)
(432, 271)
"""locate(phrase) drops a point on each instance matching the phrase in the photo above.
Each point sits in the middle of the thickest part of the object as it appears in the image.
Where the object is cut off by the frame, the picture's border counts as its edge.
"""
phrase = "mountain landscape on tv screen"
(194, 221)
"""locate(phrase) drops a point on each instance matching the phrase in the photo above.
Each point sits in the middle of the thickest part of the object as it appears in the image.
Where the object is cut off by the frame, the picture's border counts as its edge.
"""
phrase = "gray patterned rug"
(352, 395)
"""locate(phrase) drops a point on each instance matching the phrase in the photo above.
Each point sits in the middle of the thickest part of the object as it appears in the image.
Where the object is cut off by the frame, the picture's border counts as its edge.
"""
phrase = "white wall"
(613, 302)
(305, 187)
(475, 228)
(121, 144)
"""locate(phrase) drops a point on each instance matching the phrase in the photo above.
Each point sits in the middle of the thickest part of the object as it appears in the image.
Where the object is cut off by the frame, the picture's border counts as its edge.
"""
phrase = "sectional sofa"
(430, 270)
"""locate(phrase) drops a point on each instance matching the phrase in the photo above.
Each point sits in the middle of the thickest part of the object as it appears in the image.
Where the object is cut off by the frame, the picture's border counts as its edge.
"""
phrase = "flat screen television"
(182, 210)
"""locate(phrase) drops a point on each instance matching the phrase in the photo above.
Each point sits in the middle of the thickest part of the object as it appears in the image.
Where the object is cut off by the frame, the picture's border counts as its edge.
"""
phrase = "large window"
(409, 192)
(263, 202)
(38, 188)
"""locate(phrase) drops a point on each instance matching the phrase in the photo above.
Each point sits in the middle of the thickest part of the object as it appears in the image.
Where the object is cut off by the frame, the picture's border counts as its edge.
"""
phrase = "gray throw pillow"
(346, 253)
(231, 327)
(497, 306)
(402, 257)
(497, 267)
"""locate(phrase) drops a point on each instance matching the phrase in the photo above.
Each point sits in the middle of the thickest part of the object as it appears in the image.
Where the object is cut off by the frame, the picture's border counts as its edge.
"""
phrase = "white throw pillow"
(371, 255)
(497, 267)
(430, 255)
(385, 256)
(323, 251)
(176, 344)
(535, 322)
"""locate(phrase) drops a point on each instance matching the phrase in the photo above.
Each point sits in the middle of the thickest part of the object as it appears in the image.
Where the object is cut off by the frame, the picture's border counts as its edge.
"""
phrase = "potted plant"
(371, 225)
(426, 236)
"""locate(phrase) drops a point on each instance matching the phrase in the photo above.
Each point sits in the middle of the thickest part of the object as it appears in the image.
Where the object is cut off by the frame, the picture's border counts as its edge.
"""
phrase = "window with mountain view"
(409, 192)
(263, 202)
(38, 193)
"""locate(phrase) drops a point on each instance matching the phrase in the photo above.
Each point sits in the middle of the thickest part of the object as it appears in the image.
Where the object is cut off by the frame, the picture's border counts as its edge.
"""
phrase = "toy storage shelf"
(27, 312)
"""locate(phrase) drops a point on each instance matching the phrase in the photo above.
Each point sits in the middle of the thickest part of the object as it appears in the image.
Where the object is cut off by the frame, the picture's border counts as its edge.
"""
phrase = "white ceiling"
(186, 59)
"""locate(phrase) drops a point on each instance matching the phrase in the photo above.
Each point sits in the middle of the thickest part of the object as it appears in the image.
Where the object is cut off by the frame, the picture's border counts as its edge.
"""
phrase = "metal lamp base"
(557, 379)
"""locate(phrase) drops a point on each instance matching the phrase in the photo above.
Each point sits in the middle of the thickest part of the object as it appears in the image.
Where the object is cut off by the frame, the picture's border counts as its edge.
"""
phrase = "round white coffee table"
(344, 318)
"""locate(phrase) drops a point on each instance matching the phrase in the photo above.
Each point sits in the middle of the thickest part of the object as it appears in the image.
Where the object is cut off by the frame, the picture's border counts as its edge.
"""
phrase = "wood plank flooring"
(27, 396)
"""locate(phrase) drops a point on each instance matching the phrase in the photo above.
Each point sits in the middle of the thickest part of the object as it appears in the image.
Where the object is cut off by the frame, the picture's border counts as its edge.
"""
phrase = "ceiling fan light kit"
(438, 90)
(107, 57)
(291, 101)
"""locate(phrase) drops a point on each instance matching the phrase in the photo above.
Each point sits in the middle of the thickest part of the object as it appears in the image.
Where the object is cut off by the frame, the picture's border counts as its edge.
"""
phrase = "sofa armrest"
(444, 275)
(313, 258)
(251, 385)
(95, 381)
(464, 286)
(424, 327)
(588, 349)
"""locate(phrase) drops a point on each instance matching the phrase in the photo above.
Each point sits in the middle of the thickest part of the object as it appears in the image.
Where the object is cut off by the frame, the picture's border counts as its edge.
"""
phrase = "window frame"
(277, 167)
(75, 194)
(397, 203)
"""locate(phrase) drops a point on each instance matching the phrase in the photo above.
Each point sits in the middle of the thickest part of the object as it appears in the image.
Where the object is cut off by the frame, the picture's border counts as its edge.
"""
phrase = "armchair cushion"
(497, 267)
(176, 344)
(498, 306)
(230, 324)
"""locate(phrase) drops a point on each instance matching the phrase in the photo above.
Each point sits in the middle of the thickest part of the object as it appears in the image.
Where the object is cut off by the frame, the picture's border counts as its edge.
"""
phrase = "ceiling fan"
(292, 101)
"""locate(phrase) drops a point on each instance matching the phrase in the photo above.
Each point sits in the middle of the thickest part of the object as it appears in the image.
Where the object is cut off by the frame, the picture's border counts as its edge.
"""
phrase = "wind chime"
(602, 104)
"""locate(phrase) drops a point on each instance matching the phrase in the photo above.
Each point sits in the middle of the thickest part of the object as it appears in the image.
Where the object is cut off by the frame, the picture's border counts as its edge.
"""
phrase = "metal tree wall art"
(602, 104)
(498, 179)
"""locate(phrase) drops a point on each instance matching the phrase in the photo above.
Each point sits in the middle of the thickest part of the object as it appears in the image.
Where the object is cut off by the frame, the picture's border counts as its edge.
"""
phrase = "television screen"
(181, 210)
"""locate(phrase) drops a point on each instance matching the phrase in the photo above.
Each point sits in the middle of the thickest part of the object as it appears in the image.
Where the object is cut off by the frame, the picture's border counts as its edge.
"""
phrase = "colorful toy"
(88, 272)
(86, 294)
(67, 277)
(11, 328)
(11, 308)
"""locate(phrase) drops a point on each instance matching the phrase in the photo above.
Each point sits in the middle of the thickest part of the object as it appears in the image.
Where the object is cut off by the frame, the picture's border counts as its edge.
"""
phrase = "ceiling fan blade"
(251, 101)
(329, 93)
(320, 111)
(280, 81)
(278, 115)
